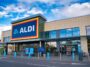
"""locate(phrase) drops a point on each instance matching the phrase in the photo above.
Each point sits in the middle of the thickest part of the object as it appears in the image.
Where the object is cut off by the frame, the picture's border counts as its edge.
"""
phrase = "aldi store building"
(58, 36)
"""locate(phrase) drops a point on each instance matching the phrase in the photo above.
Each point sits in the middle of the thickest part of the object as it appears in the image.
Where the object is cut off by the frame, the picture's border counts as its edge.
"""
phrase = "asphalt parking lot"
(35, 62)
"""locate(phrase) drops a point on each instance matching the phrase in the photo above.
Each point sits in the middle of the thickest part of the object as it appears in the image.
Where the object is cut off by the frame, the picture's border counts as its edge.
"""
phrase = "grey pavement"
(24, 61)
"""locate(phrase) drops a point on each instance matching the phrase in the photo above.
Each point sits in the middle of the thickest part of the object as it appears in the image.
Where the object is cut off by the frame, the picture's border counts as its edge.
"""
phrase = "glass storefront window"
(88, 30)
(76, 42)
(76, 31)
(53, 44)
(62, 33)
(63, 42)
(6, 39)
(68, 32)
(52, 34)
(67, 45)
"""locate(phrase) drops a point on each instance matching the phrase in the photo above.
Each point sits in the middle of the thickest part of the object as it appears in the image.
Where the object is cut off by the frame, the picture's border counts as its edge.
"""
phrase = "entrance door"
(32, 45)
(21, 48)
(66, 46)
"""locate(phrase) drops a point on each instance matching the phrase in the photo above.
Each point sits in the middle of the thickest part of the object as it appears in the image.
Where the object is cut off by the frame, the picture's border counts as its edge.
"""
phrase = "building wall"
(6, 34)
(84, 44)
(69, 23)
(80, 22)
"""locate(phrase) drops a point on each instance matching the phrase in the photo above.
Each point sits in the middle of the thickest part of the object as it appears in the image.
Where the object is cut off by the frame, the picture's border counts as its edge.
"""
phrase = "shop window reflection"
(76, 31)
(62, 33)
(68, 32)
(6, 39)
(52, 34)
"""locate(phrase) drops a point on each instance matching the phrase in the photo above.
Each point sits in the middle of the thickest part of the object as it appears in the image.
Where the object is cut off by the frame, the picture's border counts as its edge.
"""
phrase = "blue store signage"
(25, 30)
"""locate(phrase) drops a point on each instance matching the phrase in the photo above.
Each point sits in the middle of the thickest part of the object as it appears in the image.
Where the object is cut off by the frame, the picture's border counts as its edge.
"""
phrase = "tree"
(2, 49)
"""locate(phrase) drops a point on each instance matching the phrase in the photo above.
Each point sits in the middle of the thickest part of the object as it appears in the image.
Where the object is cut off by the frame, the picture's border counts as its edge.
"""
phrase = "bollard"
(73, 55)
(60, 57)
(29, 55)
(48, 56)
(4, 53)
(38, 55)
(80, 53)
(80, 56)
(44, 56)
(15, 54)
(21, 55)
(88, 57)
(0, 56)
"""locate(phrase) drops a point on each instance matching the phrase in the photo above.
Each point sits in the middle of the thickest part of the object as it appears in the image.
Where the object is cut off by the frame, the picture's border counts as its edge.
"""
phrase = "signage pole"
(88, 57)
(40, 44)
(40, 47)
(45, 51)
(39, 53)
(60, 52)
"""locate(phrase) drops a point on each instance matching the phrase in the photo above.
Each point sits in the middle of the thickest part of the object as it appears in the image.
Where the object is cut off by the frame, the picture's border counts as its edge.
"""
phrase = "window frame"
(50, 34)
(60, 33)
(79, 31)
(87, 30)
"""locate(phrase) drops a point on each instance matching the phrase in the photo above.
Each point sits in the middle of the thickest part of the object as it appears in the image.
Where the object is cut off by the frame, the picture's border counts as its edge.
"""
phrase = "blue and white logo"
(28, 29)
(15, 31)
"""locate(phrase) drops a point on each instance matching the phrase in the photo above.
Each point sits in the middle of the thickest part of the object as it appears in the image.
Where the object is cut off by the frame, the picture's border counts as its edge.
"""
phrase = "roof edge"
(67, 18)
(30, 17)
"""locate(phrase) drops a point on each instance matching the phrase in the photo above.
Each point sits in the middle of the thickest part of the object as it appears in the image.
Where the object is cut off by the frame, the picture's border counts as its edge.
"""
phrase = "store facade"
(58, 36)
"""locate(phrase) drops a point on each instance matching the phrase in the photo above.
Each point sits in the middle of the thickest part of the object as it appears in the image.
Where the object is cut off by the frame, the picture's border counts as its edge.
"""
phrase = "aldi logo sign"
(25, 30)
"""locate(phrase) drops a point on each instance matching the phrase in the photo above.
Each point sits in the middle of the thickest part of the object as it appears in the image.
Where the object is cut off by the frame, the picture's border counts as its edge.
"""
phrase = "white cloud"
(31, 1)
(20, 8)
(20, 17)
(35, 11)
(72, 11)
(8, 15)
(26, 15)
(77, 9)
(29, 13)
(12, 8)
(3, 13)
(4, 28)
(45, 1)
(67, 2)
(49, 2)
(13, 19)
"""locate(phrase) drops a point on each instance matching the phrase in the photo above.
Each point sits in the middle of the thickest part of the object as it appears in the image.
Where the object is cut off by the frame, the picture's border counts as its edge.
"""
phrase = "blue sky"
(11, 10)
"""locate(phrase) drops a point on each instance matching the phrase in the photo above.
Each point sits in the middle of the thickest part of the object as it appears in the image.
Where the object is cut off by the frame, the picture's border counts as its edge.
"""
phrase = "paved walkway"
(63, 58)
(39, 62)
